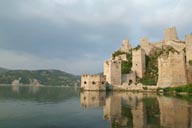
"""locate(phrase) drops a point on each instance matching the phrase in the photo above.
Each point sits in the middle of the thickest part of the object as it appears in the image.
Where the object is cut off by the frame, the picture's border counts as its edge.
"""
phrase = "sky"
(77, 36)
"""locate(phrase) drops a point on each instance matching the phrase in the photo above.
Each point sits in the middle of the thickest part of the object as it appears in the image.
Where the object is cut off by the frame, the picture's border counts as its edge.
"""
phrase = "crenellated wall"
(170, 34)
(93, 82)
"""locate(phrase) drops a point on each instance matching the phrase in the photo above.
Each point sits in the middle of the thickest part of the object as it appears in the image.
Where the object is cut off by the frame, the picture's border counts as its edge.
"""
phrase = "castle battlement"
(170, 34)
(93, 82)
(167, 63)
(91, 76)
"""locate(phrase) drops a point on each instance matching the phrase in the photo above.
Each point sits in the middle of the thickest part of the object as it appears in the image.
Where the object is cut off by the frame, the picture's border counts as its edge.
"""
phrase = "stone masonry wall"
(145, 44)
(138, 60)
(129, 79)
(188, 44)
(172, 70)
(112, 71)
(170, 34)
(125, 46)
(121, 57)
(93, 82)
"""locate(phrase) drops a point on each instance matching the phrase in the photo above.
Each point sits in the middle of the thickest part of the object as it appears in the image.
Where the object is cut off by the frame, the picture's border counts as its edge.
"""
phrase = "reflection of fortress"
(175, 113)
(139, 110)
(125, 109)
(92, 99)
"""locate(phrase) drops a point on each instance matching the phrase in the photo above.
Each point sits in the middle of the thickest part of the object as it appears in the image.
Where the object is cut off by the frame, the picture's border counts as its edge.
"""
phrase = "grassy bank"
(186, 88)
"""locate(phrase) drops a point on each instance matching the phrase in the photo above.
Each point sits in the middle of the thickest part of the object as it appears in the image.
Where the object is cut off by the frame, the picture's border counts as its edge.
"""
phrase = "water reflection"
(92, 99)
(37, 93)
(141, 110)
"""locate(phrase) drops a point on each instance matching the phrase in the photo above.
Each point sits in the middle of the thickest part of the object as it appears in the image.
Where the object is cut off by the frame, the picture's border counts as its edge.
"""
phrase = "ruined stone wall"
(170, 34)
(189, 73)
(130, 78)
(177, 45)
(121, 57)
(93, 82)
(112, 71)
(158, 44)
(188, 43)
(125, 47)
(145, 45)
(138, 60)
(92, 99)
(172, 70)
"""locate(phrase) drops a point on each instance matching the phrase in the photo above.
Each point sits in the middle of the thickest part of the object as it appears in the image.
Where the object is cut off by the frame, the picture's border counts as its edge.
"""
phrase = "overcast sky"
(76, 36)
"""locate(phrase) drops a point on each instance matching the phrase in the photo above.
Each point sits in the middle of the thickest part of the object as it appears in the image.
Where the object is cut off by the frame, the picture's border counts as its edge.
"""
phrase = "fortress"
(166, 63)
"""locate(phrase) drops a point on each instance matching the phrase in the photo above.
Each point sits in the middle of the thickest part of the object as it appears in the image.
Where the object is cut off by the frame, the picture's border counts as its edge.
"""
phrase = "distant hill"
(3, 70)
(44, 77)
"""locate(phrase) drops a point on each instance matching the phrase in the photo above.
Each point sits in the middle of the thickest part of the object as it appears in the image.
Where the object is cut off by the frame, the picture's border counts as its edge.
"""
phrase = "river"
(61, 107)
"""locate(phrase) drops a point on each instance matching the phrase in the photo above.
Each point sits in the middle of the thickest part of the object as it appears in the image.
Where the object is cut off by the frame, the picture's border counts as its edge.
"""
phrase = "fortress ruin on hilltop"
(166, 63)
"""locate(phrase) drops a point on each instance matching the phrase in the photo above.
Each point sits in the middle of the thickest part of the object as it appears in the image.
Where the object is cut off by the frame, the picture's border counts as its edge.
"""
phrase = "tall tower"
(125, 46)
(170, 34)
(138, 60)
(112, 71)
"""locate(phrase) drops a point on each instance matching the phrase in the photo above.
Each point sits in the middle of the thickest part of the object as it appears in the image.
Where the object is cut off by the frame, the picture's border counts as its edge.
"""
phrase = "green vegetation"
(145, 88)
(3, 70)
(186, 88)
(126, 65)
(151, 74)
(152, 110)
(126, 112)
(137, 48)
(45, 77)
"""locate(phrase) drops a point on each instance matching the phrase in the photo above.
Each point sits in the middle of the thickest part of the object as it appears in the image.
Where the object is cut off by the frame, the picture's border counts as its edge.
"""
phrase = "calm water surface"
(57, 107)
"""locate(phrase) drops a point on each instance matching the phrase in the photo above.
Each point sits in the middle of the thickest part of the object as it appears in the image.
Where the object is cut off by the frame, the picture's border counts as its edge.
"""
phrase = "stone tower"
(138, 60)
(172, 70)
(125, 46)
(170, 34)
(112, 71)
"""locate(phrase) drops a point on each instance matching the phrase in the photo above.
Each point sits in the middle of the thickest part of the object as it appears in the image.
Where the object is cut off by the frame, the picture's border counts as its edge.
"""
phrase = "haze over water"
(57, 107)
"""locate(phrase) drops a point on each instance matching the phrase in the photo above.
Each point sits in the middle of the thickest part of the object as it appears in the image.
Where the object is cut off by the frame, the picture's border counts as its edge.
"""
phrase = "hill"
(3, 70)
(44, 77)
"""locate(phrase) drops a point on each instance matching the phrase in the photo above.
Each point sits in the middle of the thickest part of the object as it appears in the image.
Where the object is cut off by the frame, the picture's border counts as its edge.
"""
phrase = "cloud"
(82, 33)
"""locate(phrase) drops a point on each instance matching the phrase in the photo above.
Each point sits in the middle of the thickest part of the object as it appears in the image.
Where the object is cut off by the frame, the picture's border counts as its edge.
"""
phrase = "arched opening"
(102, 82)
(93, 82)
(130, 82)
(85, 82)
